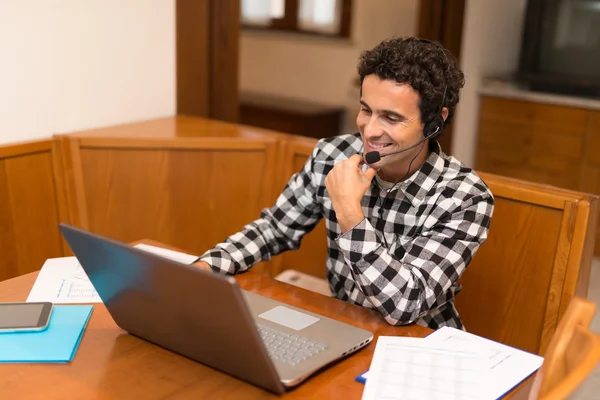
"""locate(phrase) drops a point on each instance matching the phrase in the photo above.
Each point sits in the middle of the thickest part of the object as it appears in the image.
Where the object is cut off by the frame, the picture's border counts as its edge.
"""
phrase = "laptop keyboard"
(288, 347)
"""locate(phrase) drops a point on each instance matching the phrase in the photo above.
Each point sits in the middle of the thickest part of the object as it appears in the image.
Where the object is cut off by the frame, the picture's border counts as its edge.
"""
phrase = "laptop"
(208, 318)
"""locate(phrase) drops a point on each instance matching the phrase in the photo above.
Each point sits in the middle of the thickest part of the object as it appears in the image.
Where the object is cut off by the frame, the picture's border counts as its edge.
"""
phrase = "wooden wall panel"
(29, 210)
(190, 197)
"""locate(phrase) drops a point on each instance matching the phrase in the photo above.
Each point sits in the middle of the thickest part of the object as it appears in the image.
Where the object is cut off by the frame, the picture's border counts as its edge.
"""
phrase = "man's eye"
(365, 110)
(391, 119)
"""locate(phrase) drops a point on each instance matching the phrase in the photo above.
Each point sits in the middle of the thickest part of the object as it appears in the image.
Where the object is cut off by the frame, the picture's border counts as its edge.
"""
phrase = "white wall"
(491, 44)
(321, 69)
(68, 65)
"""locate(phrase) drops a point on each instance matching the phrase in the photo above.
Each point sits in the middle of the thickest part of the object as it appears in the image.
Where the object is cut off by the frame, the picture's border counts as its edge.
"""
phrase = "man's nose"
(372, 128)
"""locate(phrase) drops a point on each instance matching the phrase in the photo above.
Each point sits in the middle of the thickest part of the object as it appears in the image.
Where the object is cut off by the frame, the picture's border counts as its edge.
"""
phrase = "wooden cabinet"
(545, 143)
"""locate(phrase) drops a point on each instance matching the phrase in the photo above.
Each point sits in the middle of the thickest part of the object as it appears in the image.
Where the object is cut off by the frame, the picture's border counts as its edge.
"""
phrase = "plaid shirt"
(433, 223)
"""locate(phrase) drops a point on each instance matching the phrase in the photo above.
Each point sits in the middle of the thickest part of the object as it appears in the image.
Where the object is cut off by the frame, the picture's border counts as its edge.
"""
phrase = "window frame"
(289, 22)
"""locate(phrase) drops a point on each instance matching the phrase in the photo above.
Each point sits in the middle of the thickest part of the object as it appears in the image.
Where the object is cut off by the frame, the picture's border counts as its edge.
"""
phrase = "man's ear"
(445, 113)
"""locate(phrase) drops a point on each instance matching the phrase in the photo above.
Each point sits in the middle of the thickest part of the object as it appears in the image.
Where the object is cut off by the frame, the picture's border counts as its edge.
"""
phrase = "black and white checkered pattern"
(434, 222)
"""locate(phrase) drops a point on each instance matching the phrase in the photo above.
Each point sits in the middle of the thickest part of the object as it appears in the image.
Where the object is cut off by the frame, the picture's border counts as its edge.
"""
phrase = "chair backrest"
(572, 354)
(537, 257)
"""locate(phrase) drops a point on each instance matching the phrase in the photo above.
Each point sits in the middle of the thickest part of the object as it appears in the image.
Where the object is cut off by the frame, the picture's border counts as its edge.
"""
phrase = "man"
(403, 219)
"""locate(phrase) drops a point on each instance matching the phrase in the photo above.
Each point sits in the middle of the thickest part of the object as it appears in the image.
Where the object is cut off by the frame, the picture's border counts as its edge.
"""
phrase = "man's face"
(389, 120)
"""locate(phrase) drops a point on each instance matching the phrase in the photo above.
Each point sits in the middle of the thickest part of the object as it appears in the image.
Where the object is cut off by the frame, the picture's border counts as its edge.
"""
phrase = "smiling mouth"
(378, 146)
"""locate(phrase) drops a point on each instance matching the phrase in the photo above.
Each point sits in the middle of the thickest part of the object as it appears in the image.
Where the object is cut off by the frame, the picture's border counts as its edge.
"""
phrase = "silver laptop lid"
(196, 313)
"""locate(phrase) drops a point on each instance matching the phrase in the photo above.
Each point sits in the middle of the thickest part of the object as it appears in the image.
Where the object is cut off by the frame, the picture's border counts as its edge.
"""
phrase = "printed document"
(412, 368)
(63, 281)
(507, 365)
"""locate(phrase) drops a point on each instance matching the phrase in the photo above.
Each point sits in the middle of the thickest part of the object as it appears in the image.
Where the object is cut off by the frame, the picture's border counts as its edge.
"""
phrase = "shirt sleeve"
(278, 228)
(405, 290)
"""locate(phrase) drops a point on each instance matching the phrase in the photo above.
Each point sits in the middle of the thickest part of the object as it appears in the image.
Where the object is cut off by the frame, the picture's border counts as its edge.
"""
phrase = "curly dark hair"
(425, 65)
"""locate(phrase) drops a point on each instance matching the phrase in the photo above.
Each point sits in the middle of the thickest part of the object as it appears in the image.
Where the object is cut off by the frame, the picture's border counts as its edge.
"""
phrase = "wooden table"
(111, 364)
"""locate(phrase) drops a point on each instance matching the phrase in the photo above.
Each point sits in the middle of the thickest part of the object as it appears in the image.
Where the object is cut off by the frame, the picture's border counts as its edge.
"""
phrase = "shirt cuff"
(217, 262)
(359, 241)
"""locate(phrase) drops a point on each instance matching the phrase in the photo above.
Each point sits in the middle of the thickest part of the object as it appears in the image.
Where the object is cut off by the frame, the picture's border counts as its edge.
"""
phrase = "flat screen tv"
(560, 49)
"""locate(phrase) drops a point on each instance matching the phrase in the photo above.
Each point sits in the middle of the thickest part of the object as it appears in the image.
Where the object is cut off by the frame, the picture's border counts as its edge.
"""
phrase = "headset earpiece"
(435, 128)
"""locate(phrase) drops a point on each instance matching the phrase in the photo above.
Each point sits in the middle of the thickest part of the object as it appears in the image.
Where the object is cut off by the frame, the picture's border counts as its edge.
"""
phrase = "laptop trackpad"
(289, 318)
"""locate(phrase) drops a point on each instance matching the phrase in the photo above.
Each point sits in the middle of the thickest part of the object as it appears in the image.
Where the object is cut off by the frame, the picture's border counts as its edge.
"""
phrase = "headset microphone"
(373, 157)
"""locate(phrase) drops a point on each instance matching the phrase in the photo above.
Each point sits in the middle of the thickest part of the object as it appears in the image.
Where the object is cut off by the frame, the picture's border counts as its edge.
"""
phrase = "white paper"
(413, 368)
(507, 366)
(170, 254)
(62, 280)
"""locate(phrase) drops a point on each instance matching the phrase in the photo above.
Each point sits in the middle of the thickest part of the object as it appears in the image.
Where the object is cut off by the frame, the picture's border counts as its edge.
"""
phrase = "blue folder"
(56, 344)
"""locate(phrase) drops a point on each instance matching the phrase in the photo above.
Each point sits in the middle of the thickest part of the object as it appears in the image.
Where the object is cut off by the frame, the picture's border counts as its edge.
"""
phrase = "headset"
(435, 128)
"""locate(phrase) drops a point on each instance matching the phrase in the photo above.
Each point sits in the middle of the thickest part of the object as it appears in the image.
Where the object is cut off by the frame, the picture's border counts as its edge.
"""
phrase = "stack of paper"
(448, 364)
(63, 280)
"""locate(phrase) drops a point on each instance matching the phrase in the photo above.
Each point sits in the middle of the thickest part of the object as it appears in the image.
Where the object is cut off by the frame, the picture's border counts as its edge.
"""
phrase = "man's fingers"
(355, 159)
(370, 173)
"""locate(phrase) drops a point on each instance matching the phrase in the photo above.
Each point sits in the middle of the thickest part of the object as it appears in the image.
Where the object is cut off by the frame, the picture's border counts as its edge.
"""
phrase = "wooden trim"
(521, 190)
(346, 18)
(453, 17)
(269, 178)
(58, 161)
(281, 164)
(224, 60)
(557, 282)
(580, 258)
(73, 179)
(24, 148)
(431, 19)
(288, 150)
(207, 47)
(192, 56)
(208, 143)
(289, 22)
(442, 21)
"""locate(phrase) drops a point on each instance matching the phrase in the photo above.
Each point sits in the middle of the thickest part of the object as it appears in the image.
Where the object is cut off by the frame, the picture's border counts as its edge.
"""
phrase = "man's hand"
(202, 265)
(346, 184)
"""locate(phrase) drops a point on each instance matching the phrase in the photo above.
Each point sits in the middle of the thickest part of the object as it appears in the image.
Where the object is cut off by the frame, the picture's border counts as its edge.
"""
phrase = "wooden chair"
(572, 354)
(537, 257)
